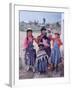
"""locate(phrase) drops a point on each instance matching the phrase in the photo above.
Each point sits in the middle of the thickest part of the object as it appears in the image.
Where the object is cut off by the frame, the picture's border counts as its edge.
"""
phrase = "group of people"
(38, 61)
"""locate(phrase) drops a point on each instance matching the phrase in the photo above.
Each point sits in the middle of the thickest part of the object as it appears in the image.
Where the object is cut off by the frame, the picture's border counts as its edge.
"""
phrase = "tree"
(57, 24)
(44, 20)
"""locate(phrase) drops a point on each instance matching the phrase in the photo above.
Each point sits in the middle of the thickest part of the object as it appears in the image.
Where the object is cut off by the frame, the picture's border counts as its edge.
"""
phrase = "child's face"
(56, 35)
(48, 34)
(40, 48)
(29, 33)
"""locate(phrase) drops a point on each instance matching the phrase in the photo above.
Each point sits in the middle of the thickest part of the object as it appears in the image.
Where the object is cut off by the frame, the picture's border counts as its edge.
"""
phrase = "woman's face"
(29, 33)
(43, 32)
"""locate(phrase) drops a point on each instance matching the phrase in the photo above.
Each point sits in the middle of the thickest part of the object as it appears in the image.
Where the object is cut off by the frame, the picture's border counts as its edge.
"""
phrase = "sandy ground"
(23, 74)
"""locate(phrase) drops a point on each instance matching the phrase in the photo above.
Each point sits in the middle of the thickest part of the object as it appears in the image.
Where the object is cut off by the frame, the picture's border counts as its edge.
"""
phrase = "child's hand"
(45, 43)
(34, 38)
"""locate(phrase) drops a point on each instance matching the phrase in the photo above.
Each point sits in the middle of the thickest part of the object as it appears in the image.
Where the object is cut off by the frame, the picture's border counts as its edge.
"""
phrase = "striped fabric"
(41, 61)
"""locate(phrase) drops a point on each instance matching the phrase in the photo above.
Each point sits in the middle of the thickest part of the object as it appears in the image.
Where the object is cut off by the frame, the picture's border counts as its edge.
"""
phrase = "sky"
(50, 17)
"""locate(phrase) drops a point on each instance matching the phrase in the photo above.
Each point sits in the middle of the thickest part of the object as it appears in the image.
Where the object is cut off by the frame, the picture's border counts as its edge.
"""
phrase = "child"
(41, 60)
(30, 53)
(55, 53)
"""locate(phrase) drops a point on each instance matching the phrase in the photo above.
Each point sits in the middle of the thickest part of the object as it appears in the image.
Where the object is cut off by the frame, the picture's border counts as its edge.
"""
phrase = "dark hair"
(40, 45)
(29, 30)
(43, 28)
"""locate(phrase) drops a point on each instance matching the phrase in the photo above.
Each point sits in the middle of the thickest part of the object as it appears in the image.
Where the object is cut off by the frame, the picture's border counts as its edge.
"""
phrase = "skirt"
(55, 56)
(30, 57)
(42, 63)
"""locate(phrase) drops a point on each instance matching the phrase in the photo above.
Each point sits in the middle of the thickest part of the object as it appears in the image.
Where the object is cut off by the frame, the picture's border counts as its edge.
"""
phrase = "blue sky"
(50, 17)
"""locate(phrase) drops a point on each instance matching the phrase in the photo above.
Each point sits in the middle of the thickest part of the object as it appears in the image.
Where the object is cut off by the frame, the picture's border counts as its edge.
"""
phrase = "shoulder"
(59, 40)
(25, 38)
(39, 36)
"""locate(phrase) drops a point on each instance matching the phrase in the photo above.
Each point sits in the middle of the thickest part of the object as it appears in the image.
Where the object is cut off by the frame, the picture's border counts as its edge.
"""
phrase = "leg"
(57, 68)
(53, 67)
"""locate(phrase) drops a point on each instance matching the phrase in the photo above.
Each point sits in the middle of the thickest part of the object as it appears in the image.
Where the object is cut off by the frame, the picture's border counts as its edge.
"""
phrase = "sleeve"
(50, 37)
(60, 42)
(38, 39)
(25, 44)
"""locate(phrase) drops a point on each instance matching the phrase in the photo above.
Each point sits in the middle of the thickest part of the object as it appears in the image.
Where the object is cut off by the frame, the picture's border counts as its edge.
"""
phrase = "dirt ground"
(24, 74)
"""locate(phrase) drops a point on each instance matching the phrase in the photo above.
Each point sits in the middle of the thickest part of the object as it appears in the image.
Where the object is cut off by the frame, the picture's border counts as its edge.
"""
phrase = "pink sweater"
(26, 42)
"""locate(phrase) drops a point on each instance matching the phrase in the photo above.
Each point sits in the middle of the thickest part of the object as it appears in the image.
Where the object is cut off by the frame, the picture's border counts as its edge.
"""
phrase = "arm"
(37, 39)
(60, 42)
(25, 43)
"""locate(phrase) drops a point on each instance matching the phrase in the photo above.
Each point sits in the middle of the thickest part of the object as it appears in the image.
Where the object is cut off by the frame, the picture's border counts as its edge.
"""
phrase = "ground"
(23, 74)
